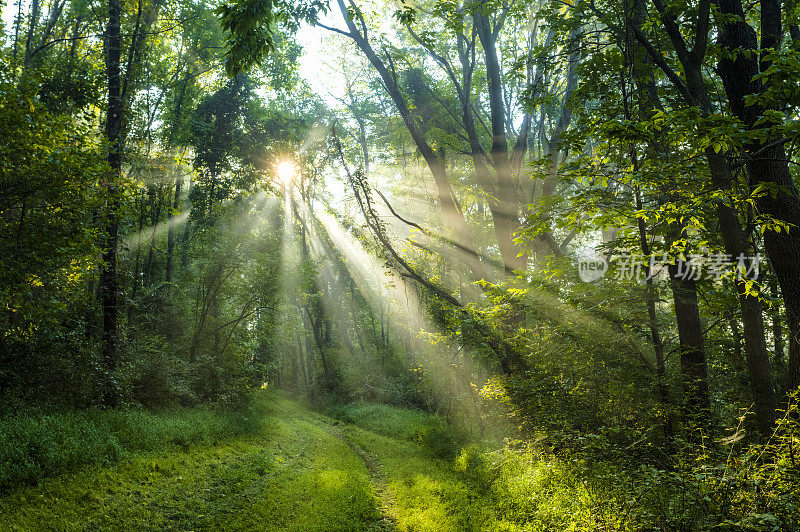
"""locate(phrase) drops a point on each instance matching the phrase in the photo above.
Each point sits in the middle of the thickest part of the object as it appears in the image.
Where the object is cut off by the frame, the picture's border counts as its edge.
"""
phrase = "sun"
(286, 171)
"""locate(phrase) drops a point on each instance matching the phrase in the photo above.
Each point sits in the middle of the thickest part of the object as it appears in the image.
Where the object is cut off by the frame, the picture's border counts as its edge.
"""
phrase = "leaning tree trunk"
(452, 214)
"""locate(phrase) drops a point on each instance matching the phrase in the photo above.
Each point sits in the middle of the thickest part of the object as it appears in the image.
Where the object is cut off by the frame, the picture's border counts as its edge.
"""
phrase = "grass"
(285, 467)
(417, 450)
(289, 475)
(35, 446)
(440, 481)
(400, 423)
(428, 430)
(428, 493)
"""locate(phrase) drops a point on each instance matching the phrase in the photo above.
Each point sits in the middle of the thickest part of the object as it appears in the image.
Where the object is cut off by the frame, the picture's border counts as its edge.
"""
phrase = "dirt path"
(378, 481)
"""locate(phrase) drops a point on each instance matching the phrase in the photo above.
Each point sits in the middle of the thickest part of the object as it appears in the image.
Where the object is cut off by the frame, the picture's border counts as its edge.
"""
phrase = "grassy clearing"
(428, 494)
(290, 475)
(300, 470)
(430, 491)
(440, 481)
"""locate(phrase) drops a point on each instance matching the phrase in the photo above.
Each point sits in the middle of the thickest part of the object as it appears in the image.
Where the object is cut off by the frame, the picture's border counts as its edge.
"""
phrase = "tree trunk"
(346, 340)
(766, 159)
(693, 357)
(651, 297)
(309, 362)
(295, 379)
(755, 345)
(184, 247)
(777, 326)
(155, 215)
(32, 23)
(136, 266)
(506, 212)
(17, 24)
(452, 215)
(301, 362)
(171, 229)
(733, 322)
(108, 275)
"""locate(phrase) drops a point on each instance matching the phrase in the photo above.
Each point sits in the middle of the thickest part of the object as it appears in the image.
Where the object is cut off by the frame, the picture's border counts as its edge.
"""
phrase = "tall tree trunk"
(506, 213)
(136, 266)
(651, 297)
(32, 23)
(155, 215)
(766, 159)
(356, 323)
(187, 229)
(295, 375)
(108, 275)
(346, 339)
(171, 230)
(777, 326)
(755, 345)
(17, 24)
(694, 368)
(309, 362)
(301, 363)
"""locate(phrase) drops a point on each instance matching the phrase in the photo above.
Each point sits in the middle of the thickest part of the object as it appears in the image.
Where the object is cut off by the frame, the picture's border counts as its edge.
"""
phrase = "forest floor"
(300, 471)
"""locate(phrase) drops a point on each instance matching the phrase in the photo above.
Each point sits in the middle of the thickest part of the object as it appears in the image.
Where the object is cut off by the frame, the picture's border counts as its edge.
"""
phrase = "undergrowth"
(430, 431)
(722, 485)
(36, 445)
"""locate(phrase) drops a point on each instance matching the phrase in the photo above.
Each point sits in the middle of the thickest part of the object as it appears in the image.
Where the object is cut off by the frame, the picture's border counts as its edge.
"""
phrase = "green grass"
(428, 493)
(428, 430)
(290, 475)
(400, 423)
(285, 467)
(35, 446)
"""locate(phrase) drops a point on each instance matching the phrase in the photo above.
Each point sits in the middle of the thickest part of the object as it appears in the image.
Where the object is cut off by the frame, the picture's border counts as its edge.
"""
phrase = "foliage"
(50, 170)
(205, 222)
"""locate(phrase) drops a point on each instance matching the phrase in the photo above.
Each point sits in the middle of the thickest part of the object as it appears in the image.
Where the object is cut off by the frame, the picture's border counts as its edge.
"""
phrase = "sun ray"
(448, 367)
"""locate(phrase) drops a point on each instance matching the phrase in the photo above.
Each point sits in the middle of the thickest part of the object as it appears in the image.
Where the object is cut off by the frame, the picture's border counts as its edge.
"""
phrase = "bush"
(428, 430)
(402, 423)
(443, 441)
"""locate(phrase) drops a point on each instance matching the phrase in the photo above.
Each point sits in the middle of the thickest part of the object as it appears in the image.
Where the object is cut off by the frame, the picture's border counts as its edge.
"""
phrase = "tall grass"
(36, 445)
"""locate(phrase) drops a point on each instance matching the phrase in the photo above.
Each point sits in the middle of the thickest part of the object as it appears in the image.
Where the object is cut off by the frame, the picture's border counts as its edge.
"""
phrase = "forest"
(419, 265)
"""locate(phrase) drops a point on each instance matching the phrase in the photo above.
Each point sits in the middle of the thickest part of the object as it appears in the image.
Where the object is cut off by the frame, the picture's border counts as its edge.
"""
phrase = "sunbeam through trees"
(439, 265)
